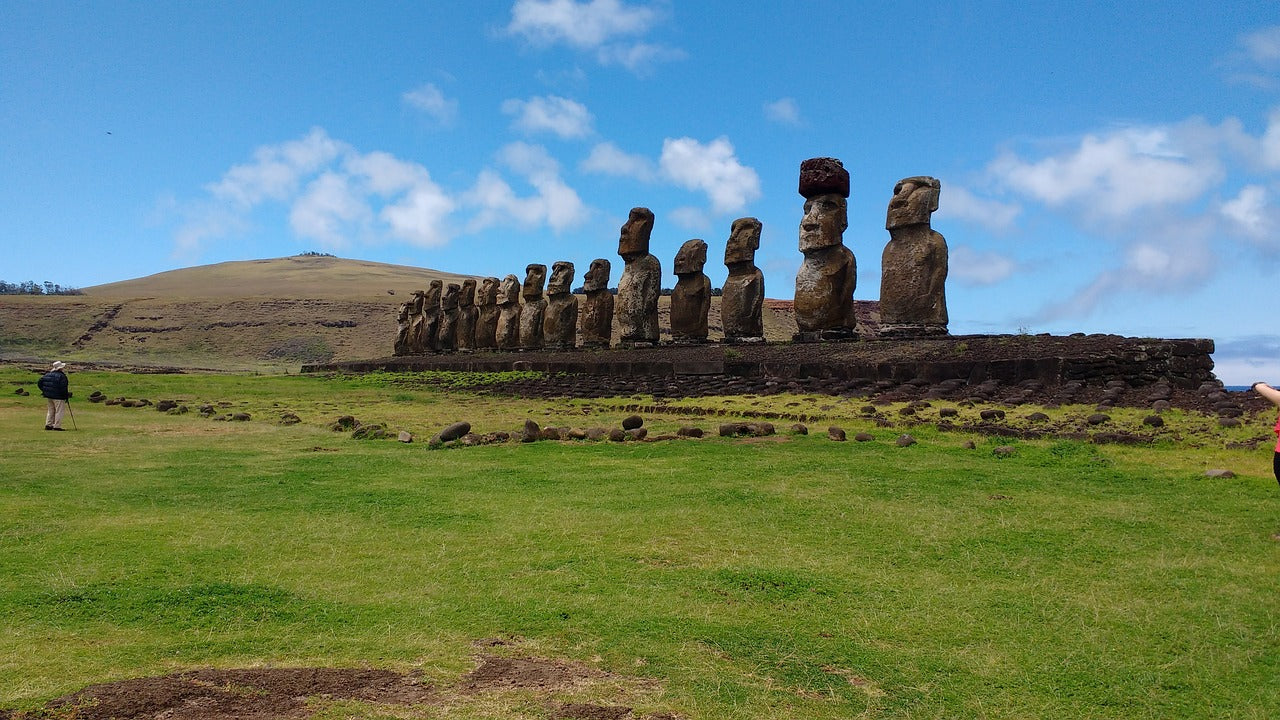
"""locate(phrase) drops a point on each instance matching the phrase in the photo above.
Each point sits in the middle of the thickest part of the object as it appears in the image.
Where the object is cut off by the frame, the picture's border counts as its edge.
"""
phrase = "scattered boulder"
(1229, 422)
(734, 429)
(868, 410)
(577, 434)
(289, 419)
(530, 432)
(553, 433)
(1003, 451)
(761, 429)
(405, 436)
(1098, 418)
(1038, 417)
(1153, 421)
(120, 401)
(373, 431)
(969, 445)
(908, 410)
(241, 417)
(1161, 406)
(455, 431)
(905, 440)
(836, 433)
(180, 410)
(689, 432)
(24, 393)
(637, 434)
(799, 429)
(346, 422)
(948, 412)
(617, 435)
(991, 414)
(864, 437)
(1219, 473)
(596, 434)
(631, 422)
(166, 405)
(96, 396)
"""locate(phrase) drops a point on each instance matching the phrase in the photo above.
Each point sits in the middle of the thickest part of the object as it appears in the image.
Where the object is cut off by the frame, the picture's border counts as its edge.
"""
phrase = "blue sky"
(1114, 167)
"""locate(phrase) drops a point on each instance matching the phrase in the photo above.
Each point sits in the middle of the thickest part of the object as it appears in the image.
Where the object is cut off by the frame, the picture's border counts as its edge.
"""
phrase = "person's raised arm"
(1267, 392)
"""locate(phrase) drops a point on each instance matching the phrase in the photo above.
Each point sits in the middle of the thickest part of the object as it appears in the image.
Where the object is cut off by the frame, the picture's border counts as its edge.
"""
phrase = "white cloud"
(971, 267)
(561, 116)
(327, 206)
(555, 203)
(596, 25)
(607, 159)
(276, 170)
(1248, 210)
(711, 168)
(420, 216)
(784, 111)
(1263, 46)
(957, 202)
(1270, 143)
(1114, 175)
(429, 99)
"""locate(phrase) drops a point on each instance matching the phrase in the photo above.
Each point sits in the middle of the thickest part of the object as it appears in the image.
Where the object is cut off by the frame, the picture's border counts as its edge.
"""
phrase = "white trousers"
(53, 417)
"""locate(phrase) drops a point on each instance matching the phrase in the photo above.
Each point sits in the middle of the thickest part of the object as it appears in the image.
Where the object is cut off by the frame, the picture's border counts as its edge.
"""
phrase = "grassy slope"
(789, 577)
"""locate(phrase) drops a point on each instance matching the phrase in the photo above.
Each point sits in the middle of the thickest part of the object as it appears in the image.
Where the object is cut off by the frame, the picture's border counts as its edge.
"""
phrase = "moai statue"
(829, 273)
(691, 299)
(465, 338)
(742, 302)
(416, 320)
(402, 329)
(429, 331)
(535, 307)
(597, 309)
(641, 283)
(487, 319)
(560, 325)
(507, 336)
(913, 269)
(446, 336)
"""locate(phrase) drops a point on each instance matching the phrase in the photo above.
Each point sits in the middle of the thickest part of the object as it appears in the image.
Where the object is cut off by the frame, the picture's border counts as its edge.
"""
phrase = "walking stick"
(73, 415)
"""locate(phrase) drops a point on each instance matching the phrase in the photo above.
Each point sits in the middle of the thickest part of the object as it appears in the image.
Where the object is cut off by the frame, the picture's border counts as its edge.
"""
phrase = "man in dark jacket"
(53, 385)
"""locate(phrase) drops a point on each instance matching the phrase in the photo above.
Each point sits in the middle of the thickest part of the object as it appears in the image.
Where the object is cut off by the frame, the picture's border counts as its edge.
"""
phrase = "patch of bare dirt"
(501, 673)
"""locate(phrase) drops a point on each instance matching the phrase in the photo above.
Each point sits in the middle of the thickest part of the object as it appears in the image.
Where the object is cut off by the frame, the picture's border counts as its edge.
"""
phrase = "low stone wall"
(1091, 360)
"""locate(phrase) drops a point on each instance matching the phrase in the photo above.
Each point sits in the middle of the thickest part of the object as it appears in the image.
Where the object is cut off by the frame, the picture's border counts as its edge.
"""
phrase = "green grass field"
(782, 577)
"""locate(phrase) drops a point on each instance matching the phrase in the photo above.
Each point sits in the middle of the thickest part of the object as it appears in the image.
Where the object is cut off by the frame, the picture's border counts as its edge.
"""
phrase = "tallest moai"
(829, 273)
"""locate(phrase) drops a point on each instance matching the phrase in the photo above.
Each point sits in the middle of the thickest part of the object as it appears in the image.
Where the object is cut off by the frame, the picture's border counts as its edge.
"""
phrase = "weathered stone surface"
(829, 274)
(631, 422)
(823, 176)
(455, 431)
(864, 437)
(428, 330)
(405, 436)
(508, 331)
(402, 345)
(742, 299)
(799, 429)
(1098, 418)
(413, 341)
(691, 298)
(487, 315)
(535, 306)
(446, 336)
(560, 321)
(913, 267)
(991, 414)
(468, 314)
(689, 431)
(905, 440)
(596, 312)
(636, 308)
(837, 434)
(530, 432)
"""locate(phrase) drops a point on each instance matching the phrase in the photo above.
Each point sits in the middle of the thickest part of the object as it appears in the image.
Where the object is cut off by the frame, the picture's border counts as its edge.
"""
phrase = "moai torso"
(401, 346)
(487, 314)
(560, 324)
(596, 312)
(829, 273)
(465, 338)
(913, 273)
(414, 340)
(507, 336)
(447, 334)
(535, 307)
(691, 298)
(742, 301)
(429, 331)
(641, 283)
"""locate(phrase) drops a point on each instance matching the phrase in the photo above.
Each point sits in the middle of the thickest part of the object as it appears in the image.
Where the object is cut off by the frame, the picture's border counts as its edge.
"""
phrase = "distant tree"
(313, 253)
(31, 288)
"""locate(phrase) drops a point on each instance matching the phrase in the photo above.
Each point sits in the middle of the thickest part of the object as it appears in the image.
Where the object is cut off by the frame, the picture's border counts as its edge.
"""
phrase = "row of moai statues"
(913, 266)
(912, 288)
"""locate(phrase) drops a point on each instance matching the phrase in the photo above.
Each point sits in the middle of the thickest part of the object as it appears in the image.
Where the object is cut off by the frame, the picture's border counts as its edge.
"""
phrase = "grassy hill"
(247, 315)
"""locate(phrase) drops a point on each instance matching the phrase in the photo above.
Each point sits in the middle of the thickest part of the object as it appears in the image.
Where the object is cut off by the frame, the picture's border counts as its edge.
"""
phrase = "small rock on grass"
(799, 429)
(1003, 451)
(864, 437)
(405, 436)
(455, 431)
(1098, 418)
(837, 434)
(1153, 421)
(631, 422)
(690, 432)
(969, 445)
(905, 440)
(1219, 473)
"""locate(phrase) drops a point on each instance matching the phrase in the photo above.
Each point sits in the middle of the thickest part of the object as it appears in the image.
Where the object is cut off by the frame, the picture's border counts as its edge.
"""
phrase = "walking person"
(1273, 395)
(54, 386)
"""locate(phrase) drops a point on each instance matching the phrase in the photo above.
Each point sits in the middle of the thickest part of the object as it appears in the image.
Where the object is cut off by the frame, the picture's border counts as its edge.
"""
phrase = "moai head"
(450, 299)
(633, 240)
(509, 291)
(416, 304)
(824, 183)
(535, 276)
(468, 296)
(488, 293)
(561, 282)
(597, 277)
(914, 200)
(691, 257)
(433, 294)
(744, 240)
(402, 313)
